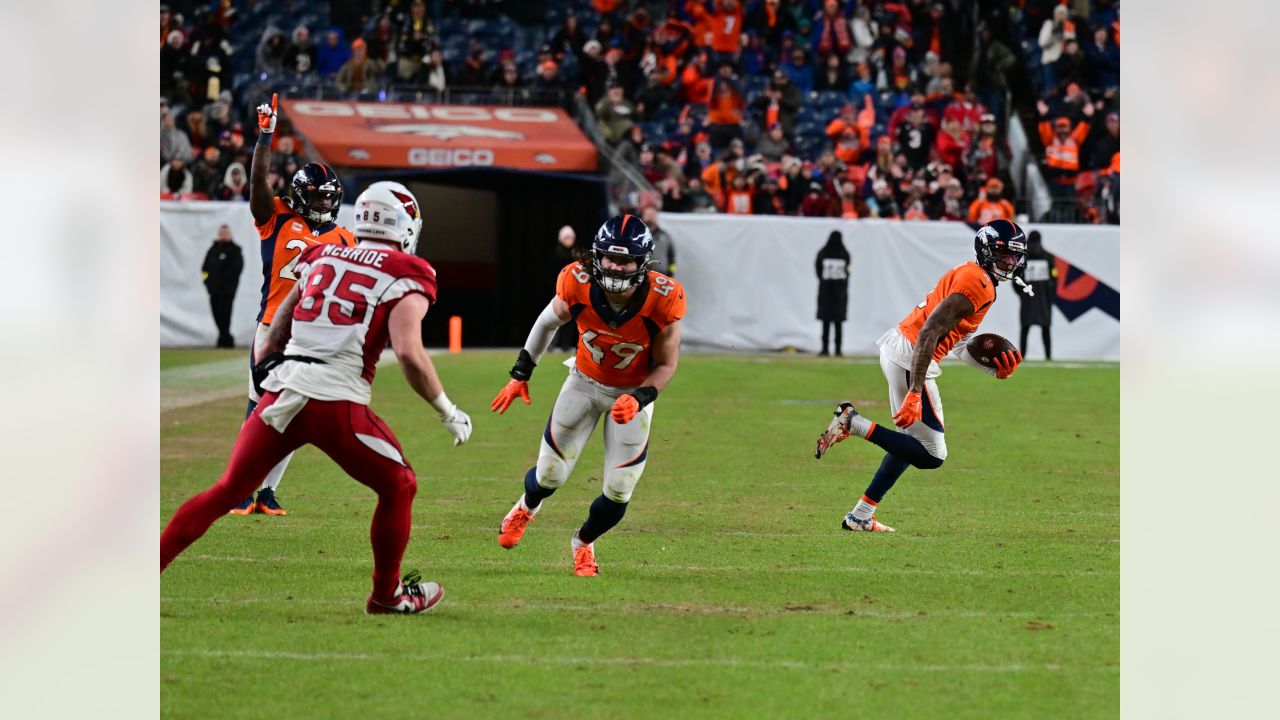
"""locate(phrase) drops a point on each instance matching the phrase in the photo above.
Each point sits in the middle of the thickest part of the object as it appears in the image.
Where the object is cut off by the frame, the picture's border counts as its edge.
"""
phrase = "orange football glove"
(1006, 362)
(909, 413)
(625, 409)
(512, 390)
(267, 116)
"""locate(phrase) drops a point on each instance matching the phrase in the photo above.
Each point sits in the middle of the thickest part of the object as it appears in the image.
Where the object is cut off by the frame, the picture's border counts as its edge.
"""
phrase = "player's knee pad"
(552, 470)
(619, 483)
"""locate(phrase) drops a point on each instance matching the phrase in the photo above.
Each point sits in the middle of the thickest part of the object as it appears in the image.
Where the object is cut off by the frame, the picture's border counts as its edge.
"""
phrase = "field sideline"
(727, 590)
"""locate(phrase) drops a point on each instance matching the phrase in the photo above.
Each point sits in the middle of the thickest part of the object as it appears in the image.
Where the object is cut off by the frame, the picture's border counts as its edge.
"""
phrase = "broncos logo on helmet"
(1001, 247)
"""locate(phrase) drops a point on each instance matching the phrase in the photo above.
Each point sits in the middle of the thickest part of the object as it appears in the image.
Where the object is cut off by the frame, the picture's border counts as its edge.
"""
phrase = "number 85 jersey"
(615, 348)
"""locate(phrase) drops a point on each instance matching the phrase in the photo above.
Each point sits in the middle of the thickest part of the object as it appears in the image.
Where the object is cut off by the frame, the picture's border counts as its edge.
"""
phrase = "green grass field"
(727, 590)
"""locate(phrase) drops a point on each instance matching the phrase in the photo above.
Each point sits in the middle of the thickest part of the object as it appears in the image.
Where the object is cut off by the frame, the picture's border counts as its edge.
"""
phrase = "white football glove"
(458, 424)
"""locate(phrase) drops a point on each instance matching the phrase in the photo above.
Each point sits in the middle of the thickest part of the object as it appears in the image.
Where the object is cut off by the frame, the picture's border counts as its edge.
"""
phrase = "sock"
(864, 509)
(533, 492)
(891, 468)
(860, 426)
(604, 514)
(276, 475)
(389, 532)
(904, 447)
(576, 542)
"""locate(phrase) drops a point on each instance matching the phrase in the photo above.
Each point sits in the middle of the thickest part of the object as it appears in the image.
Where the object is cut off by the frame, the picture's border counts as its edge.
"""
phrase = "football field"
(728, 589)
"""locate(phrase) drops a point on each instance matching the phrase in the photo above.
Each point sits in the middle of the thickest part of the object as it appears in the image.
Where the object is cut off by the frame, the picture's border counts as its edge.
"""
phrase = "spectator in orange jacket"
(719, 29)
(738, 200)
(1062, 147)
(695, 83)
(724, 107)
(991, 204)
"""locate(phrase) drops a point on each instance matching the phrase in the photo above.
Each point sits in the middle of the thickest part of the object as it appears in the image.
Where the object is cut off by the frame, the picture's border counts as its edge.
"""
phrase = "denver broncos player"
(286, 227)
(628, 320)
(909, 355)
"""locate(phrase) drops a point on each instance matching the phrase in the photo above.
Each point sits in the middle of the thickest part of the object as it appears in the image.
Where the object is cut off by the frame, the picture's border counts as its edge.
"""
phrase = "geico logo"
(393, 111)
(447, 157)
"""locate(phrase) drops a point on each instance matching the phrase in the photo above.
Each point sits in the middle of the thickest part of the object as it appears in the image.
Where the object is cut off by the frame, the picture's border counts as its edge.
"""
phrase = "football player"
(628, 321)
(286, 227)
(909, 355)
(332, 327)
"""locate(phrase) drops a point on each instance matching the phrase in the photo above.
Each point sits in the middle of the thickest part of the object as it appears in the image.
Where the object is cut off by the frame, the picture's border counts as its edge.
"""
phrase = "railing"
(626, 186)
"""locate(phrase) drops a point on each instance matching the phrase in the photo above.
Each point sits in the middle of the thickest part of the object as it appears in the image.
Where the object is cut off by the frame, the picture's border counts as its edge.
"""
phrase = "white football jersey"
(342, 317)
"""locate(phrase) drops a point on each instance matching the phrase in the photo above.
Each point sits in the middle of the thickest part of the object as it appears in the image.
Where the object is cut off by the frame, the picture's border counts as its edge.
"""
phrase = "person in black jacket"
(1041, 275)
(832, 268)
(222, 266)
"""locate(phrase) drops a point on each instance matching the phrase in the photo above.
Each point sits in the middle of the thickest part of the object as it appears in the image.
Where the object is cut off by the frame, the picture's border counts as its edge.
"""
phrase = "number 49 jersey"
(342, 317)
(284, 237)
(615, 348)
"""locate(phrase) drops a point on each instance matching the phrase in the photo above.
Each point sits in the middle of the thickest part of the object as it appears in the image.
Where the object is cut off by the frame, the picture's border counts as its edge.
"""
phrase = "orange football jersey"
(614, 348)
(284, 237)
(969, 280)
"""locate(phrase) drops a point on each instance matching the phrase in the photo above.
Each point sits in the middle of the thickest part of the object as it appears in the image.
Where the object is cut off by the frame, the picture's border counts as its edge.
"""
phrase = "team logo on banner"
(440, 131)
(1078, 292)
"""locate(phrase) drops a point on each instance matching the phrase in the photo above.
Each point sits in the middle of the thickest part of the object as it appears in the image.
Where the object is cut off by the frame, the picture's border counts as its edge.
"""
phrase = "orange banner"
(408, 135)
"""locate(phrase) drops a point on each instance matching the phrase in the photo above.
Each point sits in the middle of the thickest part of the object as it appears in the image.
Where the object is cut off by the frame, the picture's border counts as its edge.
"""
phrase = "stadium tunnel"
(490, 233)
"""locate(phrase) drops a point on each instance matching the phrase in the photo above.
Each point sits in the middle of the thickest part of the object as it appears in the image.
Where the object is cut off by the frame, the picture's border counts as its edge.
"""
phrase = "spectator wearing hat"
(792, 185)
(173, 62)
(719, 28)
(832, 268)
(332, 54)
(967, 109)
(1062, 149)
(724, 107)
(768, 199)
(592, 73)
(471, 73)
(360, 73)
(548, 79)
(235, 183)
(1072, 68)
(983, 155)
(738, 196)
(916, 137)
(206, 173)
(1041, 275)
(816, 202)
(615, 115)
(850, 150)
(434, 72)
(1053, 34)
(1104, 143)
(882, 203)
(570, 38)
(300, 56)
(222, 266)
(990, 204)
(916, 101)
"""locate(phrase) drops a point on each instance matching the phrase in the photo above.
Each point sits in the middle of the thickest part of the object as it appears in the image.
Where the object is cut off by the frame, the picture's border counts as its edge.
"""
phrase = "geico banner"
(406, 135)
(187, 230)
(751, 282)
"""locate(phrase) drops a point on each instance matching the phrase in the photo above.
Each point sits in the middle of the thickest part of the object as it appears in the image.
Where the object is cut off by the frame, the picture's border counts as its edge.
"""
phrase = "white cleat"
(837, 431)
(869, 525)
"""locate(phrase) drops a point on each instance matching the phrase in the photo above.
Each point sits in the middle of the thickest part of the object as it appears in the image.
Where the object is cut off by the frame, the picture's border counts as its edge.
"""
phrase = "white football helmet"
(388, 212)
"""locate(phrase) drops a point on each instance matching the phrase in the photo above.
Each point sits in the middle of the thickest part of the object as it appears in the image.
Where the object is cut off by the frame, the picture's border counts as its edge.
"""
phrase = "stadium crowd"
(799, 107)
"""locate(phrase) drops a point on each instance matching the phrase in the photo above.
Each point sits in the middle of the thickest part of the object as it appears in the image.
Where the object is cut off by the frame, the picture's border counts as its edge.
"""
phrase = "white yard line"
(773, 664)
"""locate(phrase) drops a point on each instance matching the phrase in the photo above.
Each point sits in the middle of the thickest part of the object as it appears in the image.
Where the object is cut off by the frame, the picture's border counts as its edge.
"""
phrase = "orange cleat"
(267, 503)
(244, 508)
(513, 525)
(584, 561)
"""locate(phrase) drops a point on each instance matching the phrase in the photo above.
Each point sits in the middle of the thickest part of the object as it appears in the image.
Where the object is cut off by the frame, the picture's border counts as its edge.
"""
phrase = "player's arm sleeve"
(543, 331)
(974, 288)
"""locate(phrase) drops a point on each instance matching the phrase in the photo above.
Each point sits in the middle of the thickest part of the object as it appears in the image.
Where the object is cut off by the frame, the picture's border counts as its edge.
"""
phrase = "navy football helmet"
(624, 238)
(316, 193)
(1001, 247)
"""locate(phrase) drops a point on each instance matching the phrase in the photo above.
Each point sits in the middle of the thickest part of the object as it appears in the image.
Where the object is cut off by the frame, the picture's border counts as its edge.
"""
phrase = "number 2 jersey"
(615, 348)
(284, 237)
(343, 315)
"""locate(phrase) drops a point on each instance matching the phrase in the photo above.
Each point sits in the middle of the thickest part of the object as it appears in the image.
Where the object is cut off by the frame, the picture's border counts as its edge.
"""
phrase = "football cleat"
(245, 507)
(412, 596)
(837, 431)
(513, 526)
(584, 561)
(267, 504)
(869, 525)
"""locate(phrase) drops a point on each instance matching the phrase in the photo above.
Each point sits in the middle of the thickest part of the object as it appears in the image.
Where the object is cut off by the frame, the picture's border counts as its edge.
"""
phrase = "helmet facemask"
(1005, 263)
(614, 280)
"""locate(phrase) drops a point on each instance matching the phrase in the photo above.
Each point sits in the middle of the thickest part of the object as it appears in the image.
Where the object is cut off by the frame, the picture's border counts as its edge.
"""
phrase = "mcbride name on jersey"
(284, 237)
(969, 280)
(342, 317)
(614, 347)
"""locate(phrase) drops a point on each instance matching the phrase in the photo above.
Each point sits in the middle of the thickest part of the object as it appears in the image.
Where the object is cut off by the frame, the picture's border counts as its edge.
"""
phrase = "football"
(987, 346)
